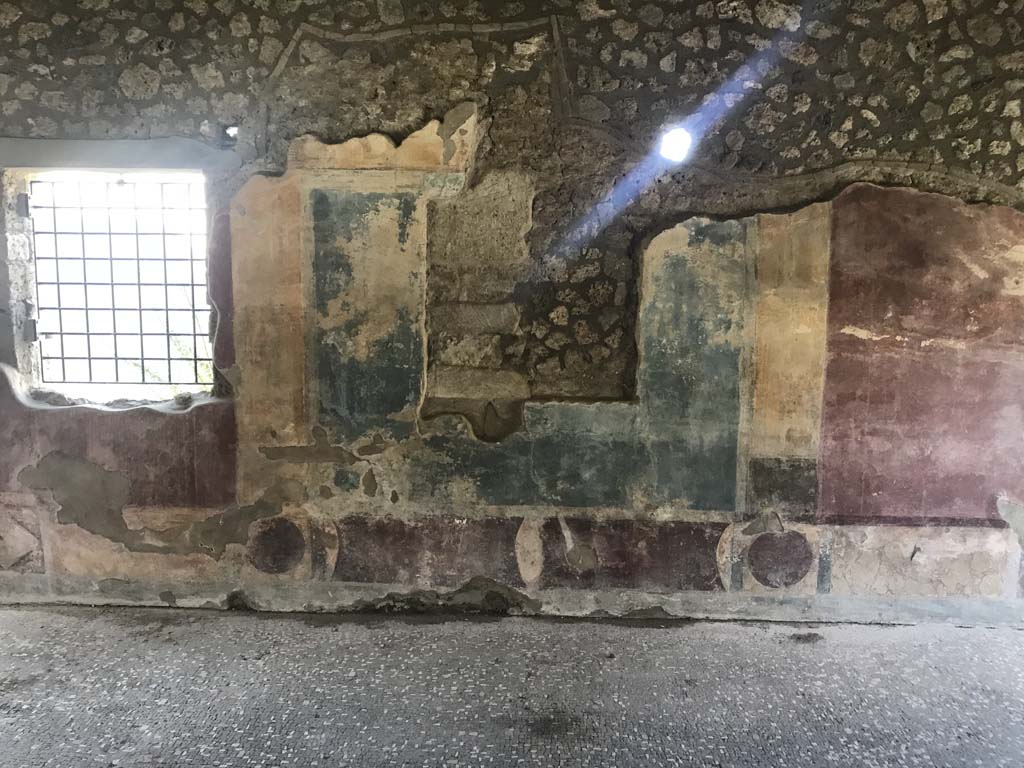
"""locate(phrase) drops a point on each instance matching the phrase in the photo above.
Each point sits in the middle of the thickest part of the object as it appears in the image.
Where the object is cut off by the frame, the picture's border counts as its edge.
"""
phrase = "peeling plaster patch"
(579, 556)
(458, 132)
(164, 518)
(215, 534)
(375, 447)
(73, 551)
(478, 595)
(94, 499)
(945, 343)
(437, 146)
(490, 420)
(862, 333)
(88, 495)
(1012, 511)
(320, 452)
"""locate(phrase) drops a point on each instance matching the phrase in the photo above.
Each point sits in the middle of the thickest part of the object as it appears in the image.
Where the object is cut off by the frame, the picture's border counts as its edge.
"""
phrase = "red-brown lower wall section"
(923, 416)
(172, 459)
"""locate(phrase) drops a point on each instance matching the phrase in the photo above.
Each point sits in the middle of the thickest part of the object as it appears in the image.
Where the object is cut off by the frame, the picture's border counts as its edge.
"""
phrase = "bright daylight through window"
(121, 284)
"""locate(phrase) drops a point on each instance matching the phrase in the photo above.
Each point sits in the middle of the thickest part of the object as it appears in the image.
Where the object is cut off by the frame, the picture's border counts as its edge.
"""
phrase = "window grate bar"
(102, 313)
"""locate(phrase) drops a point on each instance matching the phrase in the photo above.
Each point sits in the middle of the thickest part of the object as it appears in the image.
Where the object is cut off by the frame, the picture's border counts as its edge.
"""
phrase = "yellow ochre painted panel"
(792, 308)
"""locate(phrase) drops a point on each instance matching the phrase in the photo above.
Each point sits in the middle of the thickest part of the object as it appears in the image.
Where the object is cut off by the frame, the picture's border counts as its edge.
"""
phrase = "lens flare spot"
(676, 144)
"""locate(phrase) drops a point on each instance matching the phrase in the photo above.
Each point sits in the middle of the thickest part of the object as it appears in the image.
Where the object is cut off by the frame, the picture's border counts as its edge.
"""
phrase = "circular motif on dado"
(277, 545)
(780, 559)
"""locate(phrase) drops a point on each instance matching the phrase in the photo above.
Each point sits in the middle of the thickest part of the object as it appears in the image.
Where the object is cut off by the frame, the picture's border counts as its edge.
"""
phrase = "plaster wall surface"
(508, 361)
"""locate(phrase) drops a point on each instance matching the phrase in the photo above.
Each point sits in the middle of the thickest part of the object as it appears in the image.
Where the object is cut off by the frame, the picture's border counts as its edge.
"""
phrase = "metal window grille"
(121, 279)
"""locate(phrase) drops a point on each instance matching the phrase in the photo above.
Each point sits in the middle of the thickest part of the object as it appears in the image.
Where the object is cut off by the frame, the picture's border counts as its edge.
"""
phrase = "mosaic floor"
(119, 687)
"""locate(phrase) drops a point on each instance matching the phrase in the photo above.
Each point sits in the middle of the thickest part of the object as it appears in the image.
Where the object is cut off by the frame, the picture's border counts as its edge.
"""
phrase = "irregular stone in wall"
(985, 29)
(391, 11)
(472, 317)
(8, 15)
(935, 10)
(472, 351)
(140, 82)
(776, 15)
(463, 382)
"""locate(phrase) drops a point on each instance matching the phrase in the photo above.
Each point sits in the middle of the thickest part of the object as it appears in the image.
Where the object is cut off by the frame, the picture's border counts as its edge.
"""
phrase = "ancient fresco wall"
(481, 352)
(735, 483)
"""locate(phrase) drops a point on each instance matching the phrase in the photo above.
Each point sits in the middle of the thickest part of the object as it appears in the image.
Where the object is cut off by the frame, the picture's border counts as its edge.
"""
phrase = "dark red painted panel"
(436, 550)
(619, 554)
(924, 393)
(627, 554)
(172, 459)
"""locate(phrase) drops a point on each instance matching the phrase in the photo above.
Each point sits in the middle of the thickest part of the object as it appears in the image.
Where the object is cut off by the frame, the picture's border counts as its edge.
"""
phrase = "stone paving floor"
(126, 687)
